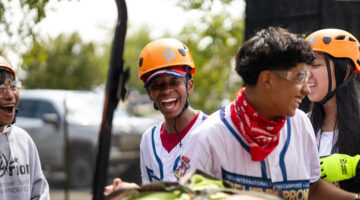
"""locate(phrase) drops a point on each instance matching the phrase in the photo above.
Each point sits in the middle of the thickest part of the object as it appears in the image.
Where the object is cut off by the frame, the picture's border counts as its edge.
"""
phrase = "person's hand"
(338, 167)
(119, 184)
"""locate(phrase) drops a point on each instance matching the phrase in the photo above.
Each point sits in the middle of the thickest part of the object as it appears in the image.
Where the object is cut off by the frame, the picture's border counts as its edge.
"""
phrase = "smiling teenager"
(262, 141)
(166, 68)
(336, 110)
(21, 176)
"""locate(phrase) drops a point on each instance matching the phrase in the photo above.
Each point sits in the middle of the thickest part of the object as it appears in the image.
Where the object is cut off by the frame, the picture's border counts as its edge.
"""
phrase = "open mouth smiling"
(169, 103)
(7, 108)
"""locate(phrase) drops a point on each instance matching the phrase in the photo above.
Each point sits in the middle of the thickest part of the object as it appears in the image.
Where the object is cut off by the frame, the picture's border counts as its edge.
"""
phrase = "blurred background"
(61, 49)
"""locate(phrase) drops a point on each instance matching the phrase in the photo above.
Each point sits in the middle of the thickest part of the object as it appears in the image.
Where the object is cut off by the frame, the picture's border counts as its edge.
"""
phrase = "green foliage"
(201, 4)
(133, 45)
(213, 42)
(28, 13)
(64, 63)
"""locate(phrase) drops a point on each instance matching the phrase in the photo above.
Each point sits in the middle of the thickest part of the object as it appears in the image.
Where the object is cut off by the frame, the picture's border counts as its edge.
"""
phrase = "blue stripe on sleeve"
(155, 154)
(283, 151)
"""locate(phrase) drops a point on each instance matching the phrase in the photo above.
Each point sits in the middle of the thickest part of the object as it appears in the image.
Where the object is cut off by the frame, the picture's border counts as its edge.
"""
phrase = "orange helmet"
(163, 53)
(337, 43)
(5, 64)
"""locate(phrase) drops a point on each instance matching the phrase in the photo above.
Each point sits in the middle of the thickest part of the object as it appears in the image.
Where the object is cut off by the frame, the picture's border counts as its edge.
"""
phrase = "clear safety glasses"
(300, 77)
(14, 86)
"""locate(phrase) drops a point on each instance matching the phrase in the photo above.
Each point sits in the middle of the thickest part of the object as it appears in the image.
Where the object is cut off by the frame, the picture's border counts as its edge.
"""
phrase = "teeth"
(11, 105)
(311, 84)
(168, 100)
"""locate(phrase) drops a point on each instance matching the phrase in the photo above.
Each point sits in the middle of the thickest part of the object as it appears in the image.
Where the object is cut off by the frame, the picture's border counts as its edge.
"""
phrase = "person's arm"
(119, 184)
(40, 187)
(325, 190)
(144, 175)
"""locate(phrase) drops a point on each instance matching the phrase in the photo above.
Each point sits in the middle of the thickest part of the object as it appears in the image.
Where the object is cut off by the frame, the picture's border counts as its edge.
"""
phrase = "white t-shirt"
(326, 142)
(156, 163)
(21, 176)
(291, 167)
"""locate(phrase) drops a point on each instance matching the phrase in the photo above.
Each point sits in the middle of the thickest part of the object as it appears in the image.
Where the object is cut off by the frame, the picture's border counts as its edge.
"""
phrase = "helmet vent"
(341, 37)
(326, 40)
(352, 39)
(358, 62)
(182, 52)
(141, 61)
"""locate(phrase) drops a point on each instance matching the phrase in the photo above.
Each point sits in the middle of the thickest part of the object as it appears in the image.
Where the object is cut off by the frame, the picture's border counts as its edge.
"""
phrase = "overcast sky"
(91, 18)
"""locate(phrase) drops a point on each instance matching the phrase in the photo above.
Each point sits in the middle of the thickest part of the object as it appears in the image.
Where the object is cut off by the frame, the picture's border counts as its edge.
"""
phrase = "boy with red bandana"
(262, 141)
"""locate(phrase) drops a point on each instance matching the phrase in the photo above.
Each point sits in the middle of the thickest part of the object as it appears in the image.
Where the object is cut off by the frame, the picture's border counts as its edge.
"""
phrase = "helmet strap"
(13, 122)
(330, 93)
(186, 103)
(155, 107)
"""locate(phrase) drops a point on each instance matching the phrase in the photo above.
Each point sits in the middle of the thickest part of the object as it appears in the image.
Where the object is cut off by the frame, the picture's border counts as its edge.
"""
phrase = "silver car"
(52, 117)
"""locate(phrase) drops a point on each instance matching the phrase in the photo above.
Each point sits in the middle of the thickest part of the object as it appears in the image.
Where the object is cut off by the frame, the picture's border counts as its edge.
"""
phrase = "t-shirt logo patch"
(182, 166)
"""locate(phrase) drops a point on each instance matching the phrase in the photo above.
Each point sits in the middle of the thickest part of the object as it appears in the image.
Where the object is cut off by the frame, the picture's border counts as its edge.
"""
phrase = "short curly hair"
(273, 48)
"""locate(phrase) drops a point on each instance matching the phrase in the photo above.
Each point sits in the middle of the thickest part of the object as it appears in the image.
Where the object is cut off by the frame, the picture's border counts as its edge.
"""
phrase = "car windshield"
(88, 104)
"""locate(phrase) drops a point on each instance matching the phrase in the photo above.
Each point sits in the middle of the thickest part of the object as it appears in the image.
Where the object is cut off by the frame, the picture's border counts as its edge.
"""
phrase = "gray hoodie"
(21, 176)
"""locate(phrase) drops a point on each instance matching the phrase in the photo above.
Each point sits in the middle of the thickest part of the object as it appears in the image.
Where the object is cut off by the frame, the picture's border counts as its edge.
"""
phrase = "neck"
(181, 122)
(256, 100)
(330, 111)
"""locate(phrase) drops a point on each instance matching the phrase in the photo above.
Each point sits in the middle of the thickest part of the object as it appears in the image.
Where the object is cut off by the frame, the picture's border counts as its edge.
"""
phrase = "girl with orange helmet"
(166, 67)
(336, 111)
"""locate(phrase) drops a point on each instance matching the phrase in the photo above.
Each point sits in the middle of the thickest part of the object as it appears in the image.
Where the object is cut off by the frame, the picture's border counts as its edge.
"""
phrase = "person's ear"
(149, 93)
(190, 86)
(266, 79)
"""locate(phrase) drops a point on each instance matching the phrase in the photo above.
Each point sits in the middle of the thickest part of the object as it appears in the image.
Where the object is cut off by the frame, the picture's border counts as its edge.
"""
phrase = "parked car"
(51, 115)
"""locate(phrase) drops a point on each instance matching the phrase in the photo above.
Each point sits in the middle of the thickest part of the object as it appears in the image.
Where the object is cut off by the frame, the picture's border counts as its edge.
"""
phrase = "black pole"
(115, 90)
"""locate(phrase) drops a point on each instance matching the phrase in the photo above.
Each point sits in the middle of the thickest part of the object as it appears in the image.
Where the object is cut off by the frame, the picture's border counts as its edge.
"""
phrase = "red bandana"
(262, 135)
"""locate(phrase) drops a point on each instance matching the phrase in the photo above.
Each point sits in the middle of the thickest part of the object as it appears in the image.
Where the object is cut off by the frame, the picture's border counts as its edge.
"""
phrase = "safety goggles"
(300, 77)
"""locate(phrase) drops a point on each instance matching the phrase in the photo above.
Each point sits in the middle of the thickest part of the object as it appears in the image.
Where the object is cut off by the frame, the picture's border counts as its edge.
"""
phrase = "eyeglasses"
(298, 77)
(14, 86)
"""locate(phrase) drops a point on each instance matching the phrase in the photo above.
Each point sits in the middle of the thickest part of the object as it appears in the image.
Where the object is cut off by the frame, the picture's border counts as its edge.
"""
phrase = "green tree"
(20, 28)
(64, 63)
(134, 43)
(213, 41)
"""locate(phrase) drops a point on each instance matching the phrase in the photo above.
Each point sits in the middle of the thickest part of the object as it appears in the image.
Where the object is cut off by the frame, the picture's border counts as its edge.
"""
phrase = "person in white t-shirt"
(335, 113)
(21, 176)
(261, 141)
(166, 68)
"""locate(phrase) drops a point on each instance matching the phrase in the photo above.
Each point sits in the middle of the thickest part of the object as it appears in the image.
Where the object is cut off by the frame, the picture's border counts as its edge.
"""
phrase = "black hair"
(347, 117)
(271, 48)
(5, 73)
